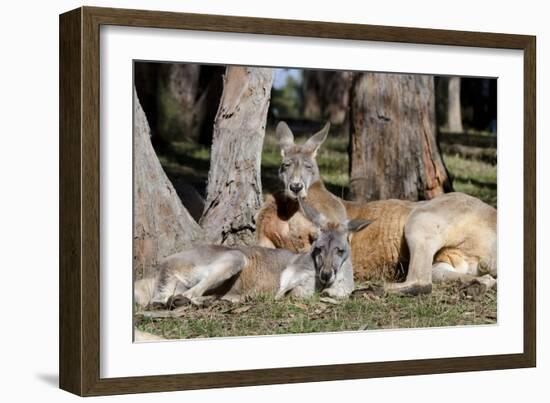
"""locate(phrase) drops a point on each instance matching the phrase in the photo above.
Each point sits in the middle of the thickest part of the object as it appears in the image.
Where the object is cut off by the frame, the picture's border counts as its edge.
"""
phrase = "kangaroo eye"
(308, 166)
(340, 252)
(318, 259)
(285, 165)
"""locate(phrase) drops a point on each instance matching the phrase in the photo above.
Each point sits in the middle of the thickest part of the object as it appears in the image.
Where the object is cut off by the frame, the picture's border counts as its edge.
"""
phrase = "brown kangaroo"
(451, 237)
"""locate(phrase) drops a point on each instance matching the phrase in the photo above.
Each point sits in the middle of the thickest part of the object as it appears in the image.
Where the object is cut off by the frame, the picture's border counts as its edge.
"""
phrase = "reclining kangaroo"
(233, 273)
(451, 237)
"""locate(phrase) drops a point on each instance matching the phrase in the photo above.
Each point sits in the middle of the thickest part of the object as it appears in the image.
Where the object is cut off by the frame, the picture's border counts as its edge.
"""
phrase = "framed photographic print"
(249, 201)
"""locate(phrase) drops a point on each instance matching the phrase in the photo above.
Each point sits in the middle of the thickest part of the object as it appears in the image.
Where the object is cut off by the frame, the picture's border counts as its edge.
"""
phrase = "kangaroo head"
(299, 168)
(332, 246)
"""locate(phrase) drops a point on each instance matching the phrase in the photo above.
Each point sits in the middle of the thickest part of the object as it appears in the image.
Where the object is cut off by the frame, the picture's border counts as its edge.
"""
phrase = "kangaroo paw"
(155, 306)
(234, 299)
(202, 302)
(408, 288)
(473, 289)
(176, 301)
(331, 293)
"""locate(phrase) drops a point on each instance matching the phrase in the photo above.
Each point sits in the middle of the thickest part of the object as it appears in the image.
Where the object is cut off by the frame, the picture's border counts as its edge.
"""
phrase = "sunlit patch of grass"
(475, 132)
(466, 168)
(476, 178)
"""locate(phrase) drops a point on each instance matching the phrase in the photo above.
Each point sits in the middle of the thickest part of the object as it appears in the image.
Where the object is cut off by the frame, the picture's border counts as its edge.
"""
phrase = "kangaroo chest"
(282, 222)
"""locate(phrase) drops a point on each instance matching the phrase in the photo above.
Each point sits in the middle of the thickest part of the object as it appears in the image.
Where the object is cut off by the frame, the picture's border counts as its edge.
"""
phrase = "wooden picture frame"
(79, 201)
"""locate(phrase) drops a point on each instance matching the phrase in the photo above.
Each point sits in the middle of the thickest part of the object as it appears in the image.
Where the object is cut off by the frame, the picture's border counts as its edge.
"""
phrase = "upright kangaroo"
(233, 273)
(451, 237)
(299, 172)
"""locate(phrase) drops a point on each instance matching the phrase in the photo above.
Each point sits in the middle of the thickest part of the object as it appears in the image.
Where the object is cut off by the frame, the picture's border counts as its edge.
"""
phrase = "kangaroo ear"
(312, 214)
(358, 224)
(315, 141)
(286, 138)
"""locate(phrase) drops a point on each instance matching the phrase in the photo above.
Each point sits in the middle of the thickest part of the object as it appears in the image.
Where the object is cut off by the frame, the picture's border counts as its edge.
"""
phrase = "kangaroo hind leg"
(300, 280)
(419, 276)
(472, 284)
(169, 284)
(228, 264)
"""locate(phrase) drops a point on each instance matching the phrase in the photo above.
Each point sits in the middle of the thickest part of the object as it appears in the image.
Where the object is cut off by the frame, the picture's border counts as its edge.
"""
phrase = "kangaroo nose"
(296, 187)
(325, 276)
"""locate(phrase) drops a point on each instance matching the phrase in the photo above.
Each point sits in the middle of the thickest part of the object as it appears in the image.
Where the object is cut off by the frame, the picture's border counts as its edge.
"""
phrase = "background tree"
(454, 114)
(162, 225)
(393, 148)
(311, 89)
(180, 100)
(336, 96)
(326, 95)
(234, 191)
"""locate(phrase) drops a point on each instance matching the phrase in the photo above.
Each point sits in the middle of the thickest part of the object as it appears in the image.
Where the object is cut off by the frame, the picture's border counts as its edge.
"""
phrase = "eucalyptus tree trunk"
(311, 88)
(234, 191)
(454, 114)
(162, 225)
(326, 95)
(393, 148)
(336, 96)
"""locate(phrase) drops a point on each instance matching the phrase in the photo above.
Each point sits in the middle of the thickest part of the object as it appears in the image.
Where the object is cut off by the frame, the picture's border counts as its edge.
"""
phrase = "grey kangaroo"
(233, 273)
(451, 237)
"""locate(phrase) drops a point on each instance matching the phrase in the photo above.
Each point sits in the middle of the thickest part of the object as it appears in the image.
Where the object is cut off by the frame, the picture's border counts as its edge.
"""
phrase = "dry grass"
(446, 306)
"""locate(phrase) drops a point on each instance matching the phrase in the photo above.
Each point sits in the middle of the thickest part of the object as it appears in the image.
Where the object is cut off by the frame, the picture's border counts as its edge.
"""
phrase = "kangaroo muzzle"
(326, 277)
(296, 188)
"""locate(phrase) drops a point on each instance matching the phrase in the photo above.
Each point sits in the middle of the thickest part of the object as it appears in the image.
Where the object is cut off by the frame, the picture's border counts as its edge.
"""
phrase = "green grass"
(476, 178)
(262, 315)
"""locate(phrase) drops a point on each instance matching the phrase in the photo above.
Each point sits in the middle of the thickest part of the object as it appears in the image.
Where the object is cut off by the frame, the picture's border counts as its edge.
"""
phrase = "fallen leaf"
(371, 291)
(328, 300)
(241, 309)
(301, 306)
(319, 311)
(176, 313)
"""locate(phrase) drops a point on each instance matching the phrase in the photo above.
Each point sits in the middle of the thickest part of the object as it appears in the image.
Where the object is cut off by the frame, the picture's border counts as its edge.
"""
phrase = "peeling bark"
(162, 225)
(234, 192)
(393, 148)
